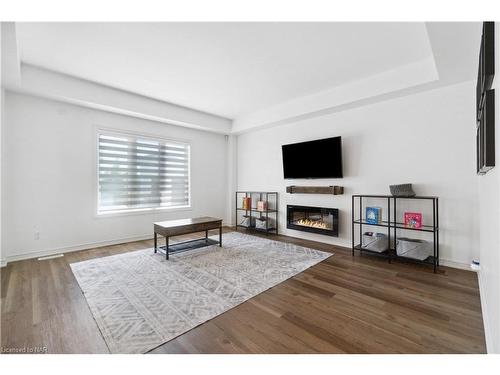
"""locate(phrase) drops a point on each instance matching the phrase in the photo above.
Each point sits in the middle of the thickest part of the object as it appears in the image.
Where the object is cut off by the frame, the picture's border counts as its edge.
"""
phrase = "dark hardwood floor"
(344, 304)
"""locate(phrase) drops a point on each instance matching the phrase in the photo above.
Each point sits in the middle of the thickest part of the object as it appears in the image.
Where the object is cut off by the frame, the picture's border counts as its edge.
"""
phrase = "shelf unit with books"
(268, 212)
(393, 226)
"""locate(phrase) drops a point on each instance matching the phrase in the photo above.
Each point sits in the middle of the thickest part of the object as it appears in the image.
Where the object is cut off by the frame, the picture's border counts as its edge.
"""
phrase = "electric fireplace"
(320, 220)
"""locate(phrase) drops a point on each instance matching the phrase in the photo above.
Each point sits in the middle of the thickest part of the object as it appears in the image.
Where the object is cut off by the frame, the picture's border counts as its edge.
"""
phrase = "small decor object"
(261, 206)
(402, 190)
(373, 215)
(247, 203)
(413, 220)
(377, 242)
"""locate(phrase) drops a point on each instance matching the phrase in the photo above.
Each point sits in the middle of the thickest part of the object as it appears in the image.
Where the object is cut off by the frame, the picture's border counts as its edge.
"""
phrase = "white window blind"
(138, 172)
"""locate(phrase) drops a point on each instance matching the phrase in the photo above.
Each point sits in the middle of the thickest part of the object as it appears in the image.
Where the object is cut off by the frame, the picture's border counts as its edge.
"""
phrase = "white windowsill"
(143, 211)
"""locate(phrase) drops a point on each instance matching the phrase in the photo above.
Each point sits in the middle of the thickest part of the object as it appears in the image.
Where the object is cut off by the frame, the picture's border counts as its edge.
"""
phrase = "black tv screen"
(321, 158)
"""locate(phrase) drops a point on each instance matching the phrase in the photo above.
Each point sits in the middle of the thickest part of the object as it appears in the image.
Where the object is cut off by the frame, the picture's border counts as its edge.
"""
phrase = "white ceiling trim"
(56, 86)
(410, 75)
(11, 63)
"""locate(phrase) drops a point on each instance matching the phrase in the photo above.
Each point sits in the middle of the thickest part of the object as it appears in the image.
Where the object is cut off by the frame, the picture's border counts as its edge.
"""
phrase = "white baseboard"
(484, 310)
(68, 249)
(90, 245)
(453, 264)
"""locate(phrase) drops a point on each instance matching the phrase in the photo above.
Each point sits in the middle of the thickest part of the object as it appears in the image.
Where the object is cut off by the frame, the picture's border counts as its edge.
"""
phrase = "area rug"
(140, 300)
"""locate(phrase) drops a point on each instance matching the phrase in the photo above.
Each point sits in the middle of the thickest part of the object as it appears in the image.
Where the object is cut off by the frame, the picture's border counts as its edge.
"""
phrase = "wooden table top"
(185, 222)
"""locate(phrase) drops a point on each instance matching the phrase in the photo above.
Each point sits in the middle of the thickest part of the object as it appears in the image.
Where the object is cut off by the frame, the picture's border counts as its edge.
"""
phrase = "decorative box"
(261, 206)
(373, 215)
(413, 219)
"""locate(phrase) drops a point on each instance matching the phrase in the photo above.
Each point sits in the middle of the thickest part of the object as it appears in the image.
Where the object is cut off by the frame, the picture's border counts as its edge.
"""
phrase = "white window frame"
(134, 211)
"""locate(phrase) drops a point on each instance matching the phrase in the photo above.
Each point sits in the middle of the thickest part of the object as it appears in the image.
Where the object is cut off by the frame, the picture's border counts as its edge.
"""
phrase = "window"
(141, 173)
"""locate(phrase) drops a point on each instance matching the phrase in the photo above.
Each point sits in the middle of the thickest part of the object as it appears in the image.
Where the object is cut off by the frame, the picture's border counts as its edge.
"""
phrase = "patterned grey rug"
(140, 301)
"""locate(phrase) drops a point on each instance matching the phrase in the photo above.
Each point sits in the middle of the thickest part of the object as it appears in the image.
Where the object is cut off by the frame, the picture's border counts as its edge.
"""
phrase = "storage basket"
(246, 221)
(402, 190)
(260, 223)
(377, 242)
(414, 248)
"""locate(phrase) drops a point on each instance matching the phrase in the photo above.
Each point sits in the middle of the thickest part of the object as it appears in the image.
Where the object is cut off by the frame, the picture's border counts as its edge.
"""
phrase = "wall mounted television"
(321, 158)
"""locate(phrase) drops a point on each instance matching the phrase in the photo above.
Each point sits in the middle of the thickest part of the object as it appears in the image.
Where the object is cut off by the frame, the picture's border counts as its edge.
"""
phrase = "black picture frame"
(485, 134)
(485, 101)
(480, 83)
(488, 48)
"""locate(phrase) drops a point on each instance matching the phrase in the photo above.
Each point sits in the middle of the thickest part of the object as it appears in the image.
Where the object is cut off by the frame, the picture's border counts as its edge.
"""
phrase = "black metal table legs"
(156, 244)
(175, 248)
(166, 246)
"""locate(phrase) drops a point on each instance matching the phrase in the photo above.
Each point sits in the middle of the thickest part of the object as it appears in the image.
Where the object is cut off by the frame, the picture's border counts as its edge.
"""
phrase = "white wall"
(2, 101)
(2, 106)
(427, 139)
(232, 175)
(489, 188)
(2, 119)
(49, 177)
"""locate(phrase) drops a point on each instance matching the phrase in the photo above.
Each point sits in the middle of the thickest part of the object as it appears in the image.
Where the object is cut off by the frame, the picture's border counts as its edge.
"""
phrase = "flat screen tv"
(321, 158)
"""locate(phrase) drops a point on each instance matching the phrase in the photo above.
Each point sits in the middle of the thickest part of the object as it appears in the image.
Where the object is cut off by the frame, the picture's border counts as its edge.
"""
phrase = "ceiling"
(228, 69)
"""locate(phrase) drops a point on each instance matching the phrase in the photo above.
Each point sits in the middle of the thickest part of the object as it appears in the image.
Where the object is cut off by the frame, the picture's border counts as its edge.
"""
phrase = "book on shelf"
(413, 220)
(261, 206)
(246, 203)
(373, 215)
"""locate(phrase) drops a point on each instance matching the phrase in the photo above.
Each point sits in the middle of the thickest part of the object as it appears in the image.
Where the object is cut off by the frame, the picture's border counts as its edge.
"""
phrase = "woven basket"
(402, 190)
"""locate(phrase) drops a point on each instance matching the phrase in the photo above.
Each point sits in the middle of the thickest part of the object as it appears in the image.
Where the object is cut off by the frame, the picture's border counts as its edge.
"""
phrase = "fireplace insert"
(320, 220)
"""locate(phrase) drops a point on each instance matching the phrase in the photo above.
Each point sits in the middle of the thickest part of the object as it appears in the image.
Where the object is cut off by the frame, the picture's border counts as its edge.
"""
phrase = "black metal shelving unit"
(271, 199)
(394, 226)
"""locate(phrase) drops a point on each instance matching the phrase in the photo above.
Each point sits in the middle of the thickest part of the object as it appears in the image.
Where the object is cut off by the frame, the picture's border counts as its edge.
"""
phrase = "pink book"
(413, 219)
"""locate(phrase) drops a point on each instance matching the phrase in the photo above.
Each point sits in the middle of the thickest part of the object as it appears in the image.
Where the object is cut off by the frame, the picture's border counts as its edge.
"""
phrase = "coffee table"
(171, 228)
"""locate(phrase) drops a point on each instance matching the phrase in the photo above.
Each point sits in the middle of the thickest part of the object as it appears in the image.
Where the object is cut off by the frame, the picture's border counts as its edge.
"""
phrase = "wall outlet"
(36, 236)
(475, 266)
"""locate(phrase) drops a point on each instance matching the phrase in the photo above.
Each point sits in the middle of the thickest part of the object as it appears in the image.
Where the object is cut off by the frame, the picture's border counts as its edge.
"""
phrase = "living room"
(243, 187)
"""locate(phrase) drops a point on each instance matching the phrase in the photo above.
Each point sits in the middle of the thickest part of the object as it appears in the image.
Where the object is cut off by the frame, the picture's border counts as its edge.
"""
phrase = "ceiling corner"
(11, 62)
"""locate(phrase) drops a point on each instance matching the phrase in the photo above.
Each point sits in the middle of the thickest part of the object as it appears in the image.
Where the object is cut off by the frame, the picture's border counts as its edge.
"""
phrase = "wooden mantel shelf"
(335, 190)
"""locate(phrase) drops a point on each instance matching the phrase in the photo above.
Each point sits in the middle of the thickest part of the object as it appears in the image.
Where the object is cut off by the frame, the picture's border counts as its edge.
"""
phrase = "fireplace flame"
(312, 223)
